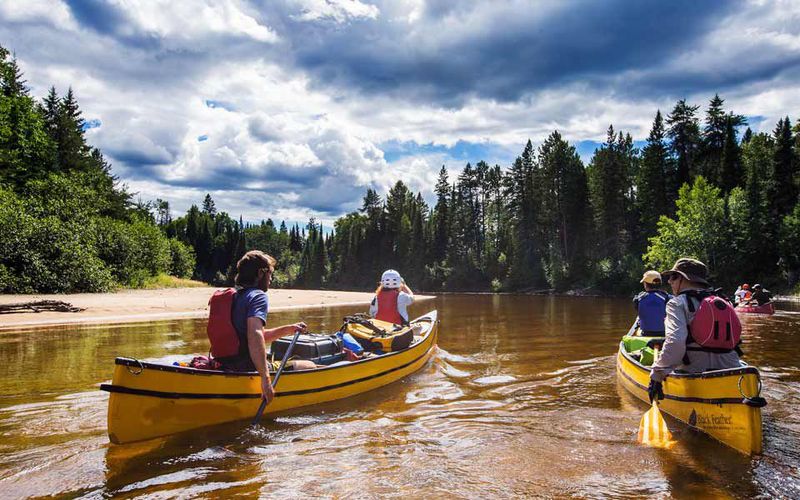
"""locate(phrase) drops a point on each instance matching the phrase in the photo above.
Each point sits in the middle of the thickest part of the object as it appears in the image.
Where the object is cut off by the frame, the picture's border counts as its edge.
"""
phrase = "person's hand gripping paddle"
(286, 357)
(653, 429)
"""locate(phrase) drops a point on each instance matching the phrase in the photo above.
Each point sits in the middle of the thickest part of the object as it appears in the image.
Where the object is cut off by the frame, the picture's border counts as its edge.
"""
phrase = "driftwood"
(39, 306)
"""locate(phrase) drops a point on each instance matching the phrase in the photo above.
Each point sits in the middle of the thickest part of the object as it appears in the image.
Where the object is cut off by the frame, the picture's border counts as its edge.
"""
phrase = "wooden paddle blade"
(653, 429)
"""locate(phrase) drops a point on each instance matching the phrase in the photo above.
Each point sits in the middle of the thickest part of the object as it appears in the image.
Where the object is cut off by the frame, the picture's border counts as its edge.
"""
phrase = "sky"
(290, 109)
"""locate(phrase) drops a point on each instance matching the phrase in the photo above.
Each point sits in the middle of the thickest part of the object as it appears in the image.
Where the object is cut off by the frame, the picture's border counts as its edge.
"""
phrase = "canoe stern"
(715, 402)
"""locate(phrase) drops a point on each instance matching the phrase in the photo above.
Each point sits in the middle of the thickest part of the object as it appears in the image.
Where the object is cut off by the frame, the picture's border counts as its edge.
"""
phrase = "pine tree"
(608, 187)
(71, 144)
(713, 140)
(26, 150)
(565, 197)
(651, 180)
(785, 170)
(209, 207)
(731, 157)
(522, 198)
(441, 215)
(685, 135)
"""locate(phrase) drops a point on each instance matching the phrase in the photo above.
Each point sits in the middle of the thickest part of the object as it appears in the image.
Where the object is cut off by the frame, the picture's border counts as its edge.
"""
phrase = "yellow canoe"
(725, 404)
(150, 400)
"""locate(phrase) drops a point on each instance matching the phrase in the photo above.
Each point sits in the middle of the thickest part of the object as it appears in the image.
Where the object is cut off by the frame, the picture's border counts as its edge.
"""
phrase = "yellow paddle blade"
(653, 429)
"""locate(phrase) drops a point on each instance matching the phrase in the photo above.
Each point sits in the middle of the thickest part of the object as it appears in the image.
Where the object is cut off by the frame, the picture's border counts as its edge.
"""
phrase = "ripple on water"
(516, 413)
(494, 380)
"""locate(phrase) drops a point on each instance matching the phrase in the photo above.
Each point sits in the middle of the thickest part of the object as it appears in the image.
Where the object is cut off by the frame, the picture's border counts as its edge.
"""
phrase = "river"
(520, 399)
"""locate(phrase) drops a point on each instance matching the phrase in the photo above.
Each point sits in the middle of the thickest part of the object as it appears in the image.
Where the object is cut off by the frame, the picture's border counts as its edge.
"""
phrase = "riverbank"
(128, 306)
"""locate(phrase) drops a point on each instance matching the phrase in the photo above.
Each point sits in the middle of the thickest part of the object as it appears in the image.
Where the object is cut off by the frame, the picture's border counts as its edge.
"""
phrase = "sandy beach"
(169, 303)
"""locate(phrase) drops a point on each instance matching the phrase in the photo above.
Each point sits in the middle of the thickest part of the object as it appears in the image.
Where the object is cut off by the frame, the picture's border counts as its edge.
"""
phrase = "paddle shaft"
(286, 357)
(655, 359)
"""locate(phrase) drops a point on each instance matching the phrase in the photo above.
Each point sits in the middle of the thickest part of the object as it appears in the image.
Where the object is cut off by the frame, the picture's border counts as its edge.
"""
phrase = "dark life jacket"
(715, 326)
(225, 339)
(652, 307)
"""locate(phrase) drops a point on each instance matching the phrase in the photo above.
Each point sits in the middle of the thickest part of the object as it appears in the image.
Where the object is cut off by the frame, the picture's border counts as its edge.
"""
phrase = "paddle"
(286, 357)
(653, 429)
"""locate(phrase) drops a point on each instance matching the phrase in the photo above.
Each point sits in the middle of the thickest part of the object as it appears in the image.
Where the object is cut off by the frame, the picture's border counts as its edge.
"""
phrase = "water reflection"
(521, 399)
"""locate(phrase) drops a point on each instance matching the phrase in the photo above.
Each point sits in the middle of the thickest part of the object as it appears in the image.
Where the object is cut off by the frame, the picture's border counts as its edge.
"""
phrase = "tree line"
(66, 223)
(546, 222)
(549, 222)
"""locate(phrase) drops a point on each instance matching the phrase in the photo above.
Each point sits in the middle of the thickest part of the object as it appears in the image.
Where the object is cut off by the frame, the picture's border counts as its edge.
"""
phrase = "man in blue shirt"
(651, 304)
(253, 277)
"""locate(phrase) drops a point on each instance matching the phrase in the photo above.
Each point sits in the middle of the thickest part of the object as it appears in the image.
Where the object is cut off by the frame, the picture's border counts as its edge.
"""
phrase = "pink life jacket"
(221, 332)
(715, 327)
(387, 306)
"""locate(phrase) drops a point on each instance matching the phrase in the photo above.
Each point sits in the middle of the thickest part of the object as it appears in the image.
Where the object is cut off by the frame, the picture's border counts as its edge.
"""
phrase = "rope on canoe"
(39, 306)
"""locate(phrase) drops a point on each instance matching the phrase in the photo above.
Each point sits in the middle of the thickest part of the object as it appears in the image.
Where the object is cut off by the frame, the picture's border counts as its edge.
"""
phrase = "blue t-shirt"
(250, 303)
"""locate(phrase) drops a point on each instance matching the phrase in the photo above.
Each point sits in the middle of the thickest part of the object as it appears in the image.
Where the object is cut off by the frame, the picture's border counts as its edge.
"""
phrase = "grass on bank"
(166, 281)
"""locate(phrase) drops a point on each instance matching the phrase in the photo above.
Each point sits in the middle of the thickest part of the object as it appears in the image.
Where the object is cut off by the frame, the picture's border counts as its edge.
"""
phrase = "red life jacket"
(715, 327)
(221, 333)
(387, 306)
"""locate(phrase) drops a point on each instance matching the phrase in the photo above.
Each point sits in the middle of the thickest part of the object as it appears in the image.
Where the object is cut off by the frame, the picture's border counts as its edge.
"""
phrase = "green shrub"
(133, 251)
(46, 254)
(182, 259)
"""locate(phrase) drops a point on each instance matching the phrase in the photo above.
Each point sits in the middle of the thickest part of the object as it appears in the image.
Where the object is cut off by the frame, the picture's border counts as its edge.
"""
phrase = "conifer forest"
(702, 185)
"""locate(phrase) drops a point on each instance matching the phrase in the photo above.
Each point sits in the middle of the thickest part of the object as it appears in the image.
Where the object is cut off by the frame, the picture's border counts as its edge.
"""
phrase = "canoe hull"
(150, 400)
(711, 402)
(762, 309)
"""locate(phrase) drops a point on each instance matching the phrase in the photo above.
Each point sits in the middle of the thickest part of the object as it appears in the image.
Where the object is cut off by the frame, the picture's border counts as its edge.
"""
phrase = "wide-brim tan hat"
(691, 269)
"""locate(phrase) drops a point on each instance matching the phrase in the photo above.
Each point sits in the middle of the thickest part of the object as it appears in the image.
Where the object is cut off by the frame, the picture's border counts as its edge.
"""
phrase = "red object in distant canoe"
(767, 308)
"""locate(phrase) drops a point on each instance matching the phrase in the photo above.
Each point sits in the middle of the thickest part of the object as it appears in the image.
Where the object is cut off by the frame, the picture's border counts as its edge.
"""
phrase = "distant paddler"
(392, 299)
(651, 305)
(690, 344)
(760, 296)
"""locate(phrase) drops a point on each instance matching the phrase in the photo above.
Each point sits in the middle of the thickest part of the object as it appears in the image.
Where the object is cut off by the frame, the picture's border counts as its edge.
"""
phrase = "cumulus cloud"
(291, 109)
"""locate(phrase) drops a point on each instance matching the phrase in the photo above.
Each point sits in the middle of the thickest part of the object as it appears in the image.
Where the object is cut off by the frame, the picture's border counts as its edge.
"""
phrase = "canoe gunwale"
(743, 370)
(430, 317)
(728, 372)
(195, 395)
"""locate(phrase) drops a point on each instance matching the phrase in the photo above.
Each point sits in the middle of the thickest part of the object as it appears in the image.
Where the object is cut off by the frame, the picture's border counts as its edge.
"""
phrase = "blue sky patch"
(213, 104)
(90, 124)
(461, 151)
(202, 138)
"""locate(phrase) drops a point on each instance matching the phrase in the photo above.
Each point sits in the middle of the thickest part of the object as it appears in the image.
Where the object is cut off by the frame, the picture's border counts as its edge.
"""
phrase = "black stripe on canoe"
(188, 395)
(135, 363)
(684, 399)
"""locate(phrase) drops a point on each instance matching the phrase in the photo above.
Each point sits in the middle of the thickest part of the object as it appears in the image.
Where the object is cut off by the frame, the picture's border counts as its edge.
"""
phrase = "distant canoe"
(150, 400)
(767, 308)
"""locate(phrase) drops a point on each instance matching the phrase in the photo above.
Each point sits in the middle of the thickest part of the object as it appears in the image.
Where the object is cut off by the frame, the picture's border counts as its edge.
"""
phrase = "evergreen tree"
(608, 186)
(731, 168)
(651, 179)
(785, 171)
(564, 202)
(713, 140)
(26, 150)
(523, 197)
(209, 207)
(684, 133)
(72, 149)
(441, 216)
(754, 224)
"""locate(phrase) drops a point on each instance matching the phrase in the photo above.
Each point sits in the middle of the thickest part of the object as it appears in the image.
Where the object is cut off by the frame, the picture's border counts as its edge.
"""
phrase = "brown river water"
(520, 400)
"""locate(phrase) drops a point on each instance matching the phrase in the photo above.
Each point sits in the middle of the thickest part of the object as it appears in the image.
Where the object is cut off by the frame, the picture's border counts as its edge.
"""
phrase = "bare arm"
(258, 354)
(271, 334)
(405, 288)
